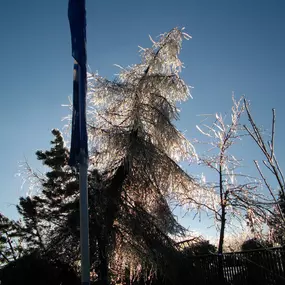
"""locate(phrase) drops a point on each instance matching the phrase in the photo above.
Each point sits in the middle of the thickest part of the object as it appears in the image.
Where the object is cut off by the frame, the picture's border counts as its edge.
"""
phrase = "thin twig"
(4, 256)
(269, 188)
(268, 167)
(273, 132)
(280, 172)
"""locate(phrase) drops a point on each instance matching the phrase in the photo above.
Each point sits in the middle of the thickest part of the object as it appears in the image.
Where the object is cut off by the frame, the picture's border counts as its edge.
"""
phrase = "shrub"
(255, 243)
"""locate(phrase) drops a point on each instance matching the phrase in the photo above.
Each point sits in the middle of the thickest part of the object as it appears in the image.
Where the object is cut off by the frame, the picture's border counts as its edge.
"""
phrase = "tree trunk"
(220, 248)
(113, 193)
(103, 267)
(222, 231)
(223, 197)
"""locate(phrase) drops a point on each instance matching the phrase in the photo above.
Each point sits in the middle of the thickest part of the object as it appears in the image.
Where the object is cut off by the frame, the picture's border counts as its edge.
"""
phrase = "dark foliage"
(255, 244)
(35, 269)
(200, 248)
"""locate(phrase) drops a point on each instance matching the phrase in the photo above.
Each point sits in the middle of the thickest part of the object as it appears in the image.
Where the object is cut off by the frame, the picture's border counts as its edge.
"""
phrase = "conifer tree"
(132, 175)
(10, 245)
(48, 216)
(138, 148)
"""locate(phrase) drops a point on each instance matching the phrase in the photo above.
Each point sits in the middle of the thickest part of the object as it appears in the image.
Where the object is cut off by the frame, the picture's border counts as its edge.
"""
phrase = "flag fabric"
(77, 21)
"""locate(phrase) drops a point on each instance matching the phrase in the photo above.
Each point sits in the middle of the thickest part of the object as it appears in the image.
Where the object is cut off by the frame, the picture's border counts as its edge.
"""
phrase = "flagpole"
(78, 90)
(79, 138)
(84, 219)
(83, 184)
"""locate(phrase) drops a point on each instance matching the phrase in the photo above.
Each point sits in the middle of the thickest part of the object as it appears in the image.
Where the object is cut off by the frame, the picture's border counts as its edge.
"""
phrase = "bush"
(255, 243)
(200, 248)
(34, 269)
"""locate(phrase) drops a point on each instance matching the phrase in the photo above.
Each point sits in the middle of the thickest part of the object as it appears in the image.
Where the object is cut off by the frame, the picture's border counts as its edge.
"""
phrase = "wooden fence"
(262, 266)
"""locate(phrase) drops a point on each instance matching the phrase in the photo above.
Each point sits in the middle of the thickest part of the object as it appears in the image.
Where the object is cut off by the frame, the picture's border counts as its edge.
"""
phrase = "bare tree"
(233, 194)
(276, 222)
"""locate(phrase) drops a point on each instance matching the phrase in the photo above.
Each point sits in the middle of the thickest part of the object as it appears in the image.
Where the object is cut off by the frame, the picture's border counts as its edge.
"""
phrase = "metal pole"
(83, 183)
(84, 219)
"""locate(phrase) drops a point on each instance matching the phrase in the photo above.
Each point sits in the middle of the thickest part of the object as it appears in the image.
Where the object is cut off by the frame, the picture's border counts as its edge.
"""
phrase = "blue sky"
(237, 45)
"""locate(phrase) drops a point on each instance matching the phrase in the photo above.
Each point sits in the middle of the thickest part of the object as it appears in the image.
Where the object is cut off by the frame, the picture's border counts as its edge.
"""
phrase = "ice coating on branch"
(143, 101)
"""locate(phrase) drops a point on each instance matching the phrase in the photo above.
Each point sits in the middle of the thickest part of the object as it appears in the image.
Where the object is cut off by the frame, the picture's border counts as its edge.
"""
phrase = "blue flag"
(77, 21)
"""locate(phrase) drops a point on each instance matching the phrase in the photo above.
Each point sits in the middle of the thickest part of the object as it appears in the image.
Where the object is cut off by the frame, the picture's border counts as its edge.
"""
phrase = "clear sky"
(237, 45)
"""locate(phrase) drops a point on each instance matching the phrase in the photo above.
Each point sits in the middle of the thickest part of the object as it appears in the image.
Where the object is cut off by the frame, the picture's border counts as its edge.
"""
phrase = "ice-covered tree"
(131, 126)
(231, 197)
(237, 196)
(276, 219)
(134, 171)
